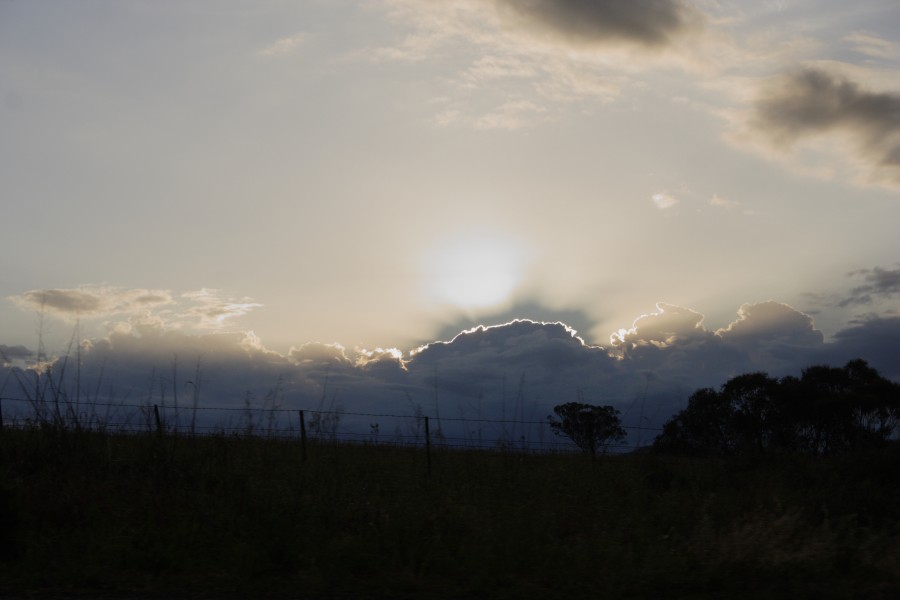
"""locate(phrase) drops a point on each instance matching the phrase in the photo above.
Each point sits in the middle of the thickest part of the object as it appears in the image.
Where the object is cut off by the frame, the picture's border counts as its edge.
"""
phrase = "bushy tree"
(706, 426)
(592, 428)
(826, 410)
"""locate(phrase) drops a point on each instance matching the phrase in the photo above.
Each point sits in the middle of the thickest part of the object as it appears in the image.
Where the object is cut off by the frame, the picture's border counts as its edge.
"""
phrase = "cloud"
(722, 202)
(519, 63)
(512, 115)
(669, 325)
(771, 322)
(384, 359)
(212, 307)
(525, 308)
(673, 344)
(283, 46)
(91, 301)
(879, 282)
(876, 339)
(323, 355)
(663, 200)
(14, 355)
(808, 105)
(873, 45)
(140, 310)
(645, 23)
(516, 371)
(14, 351)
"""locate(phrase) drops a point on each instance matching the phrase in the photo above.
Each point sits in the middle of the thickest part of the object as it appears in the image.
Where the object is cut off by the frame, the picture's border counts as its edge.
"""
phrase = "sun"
(474, 271)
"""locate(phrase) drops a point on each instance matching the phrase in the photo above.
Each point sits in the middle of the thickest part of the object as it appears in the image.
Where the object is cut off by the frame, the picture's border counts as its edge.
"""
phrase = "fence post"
(302, 438)
(158, 421)
(1, 413)
(427, 447)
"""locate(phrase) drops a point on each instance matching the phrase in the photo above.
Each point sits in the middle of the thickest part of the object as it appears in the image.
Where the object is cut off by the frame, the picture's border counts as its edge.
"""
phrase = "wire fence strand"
(332, 425)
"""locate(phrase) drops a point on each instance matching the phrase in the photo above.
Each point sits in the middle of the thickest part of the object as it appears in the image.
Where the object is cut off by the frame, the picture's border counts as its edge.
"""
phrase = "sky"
(664, 194)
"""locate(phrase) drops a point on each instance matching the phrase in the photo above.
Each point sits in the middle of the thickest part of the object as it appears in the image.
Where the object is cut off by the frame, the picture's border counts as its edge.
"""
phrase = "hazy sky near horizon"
(383, 173)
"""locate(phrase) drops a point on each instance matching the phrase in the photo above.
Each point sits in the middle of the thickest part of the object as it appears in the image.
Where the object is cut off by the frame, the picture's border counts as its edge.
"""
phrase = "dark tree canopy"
(590, 427)
(826, 410)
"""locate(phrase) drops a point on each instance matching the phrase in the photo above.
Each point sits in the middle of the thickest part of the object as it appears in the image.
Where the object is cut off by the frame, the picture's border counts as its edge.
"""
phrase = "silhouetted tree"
(824, 411)
(590, 427)
(753, 403)
(706, 426)
(847, 408)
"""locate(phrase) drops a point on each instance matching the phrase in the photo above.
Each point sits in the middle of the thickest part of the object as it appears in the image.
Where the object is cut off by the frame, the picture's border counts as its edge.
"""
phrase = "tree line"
(826, 410)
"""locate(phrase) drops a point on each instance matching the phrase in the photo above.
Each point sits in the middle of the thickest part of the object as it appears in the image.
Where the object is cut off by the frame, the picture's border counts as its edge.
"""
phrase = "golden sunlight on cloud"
(474, 271)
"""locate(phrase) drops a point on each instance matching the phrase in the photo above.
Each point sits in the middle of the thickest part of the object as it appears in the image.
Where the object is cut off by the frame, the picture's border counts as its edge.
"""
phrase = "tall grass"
(90, 512)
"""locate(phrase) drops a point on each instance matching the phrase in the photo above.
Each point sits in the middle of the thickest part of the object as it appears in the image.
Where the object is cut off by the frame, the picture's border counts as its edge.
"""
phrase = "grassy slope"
(224, 516)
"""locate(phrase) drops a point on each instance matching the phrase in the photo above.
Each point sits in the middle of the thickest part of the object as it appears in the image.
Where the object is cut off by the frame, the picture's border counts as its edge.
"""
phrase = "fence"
(416, 429)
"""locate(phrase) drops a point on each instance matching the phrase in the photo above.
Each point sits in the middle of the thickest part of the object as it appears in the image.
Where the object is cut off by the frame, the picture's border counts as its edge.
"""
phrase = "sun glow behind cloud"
(377, 172)
(474, 271)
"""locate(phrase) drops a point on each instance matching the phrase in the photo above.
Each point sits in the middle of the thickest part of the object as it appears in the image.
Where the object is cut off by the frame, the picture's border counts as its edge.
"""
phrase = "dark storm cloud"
(645, 23)
(811, 101)
(878, 282)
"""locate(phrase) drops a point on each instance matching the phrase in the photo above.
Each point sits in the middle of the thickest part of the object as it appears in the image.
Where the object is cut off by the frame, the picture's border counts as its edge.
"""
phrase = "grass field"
(140, 516)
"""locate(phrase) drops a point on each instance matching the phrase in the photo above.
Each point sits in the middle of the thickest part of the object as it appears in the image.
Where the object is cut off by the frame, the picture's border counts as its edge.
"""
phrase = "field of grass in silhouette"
(221, 516)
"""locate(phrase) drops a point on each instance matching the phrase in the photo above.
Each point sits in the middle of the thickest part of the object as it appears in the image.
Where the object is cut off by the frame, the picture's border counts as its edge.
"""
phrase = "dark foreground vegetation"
(102, 515)
(826, 411)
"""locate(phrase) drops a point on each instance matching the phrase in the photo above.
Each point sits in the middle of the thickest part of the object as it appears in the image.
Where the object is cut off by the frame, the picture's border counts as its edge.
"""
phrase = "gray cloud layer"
(14, 352)
(647, 23)
(811, 102)
(517, 370)
(202, 309)
(90, 301)
(879, 283)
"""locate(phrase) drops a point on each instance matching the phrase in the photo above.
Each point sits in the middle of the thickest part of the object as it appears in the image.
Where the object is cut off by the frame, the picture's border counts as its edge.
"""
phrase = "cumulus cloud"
(317, 353)
(673, 344)
(806, 105)
(91, 301)
(879, 282)
(645, 23)
(669, 325)
(379, 358)
(771, 322)
(529, 364)
(517, 370)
